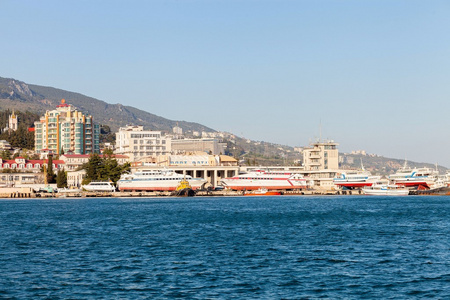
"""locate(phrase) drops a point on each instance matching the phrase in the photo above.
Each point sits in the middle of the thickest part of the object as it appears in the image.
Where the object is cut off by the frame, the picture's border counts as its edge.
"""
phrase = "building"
(67, 129)
(177, 130)
(21, 179)
(24, 165)
(4, 145)
(198, 165)
(74, 161)
(13, 122)
(321, 156)
(138, 144)
(209, 145)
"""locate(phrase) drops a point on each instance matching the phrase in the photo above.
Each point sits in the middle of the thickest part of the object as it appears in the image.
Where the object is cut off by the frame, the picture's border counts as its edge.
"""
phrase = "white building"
(138, 144)
(177, 130)
(13, 122)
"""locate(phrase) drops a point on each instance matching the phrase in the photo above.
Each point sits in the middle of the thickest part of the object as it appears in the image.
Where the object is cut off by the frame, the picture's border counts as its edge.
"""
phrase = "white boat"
(69, 190)
(421, 178)
(99, 186)
(379, 189)
(355, 179)
(270, 180)
(156, 180)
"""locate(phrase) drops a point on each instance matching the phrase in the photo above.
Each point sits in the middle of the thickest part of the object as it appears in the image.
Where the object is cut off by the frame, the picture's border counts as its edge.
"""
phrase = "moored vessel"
(419, 178)
(266, 179)
(380, 189)
(262, 192)
(156, 180)
(99, 186)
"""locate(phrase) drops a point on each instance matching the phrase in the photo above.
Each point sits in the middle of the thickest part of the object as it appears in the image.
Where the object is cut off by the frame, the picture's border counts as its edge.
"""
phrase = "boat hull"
(151, 185)
(389, 192)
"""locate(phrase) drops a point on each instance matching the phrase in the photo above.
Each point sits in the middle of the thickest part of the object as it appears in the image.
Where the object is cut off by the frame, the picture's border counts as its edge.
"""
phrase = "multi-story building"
(321, 156)
(138, 144)
(209, 145)
(67, 129)
(75, 161)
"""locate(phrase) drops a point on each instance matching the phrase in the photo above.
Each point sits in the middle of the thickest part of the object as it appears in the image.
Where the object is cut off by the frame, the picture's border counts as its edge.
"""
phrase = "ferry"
(156, 180)
(421, 178)
(99, 186)
(262, 179)
(355, 179)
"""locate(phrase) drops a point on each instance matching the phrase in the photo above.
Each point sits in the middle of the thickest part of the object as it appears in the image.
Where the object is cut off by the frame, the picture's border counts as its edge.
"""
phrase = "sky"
(370, 75)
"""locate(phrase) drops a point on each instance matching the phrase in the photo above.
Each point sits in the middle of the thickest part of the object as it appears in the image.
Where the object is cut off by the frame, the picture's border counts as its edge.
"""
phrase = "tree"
(61, 179)
(106, 168)
(92, 168)
(5, 154)
(50, 174)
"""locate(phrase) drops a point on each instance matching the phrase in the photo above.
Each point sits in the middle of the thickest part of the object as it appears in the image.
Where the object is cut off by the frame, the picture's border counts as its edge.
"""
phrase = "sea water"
(295, 247)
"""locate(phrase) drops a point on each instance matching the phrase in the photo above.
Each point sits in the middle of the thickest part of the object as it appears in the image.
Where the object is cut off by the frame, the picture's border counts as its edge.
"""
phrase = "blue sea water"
(295, 247)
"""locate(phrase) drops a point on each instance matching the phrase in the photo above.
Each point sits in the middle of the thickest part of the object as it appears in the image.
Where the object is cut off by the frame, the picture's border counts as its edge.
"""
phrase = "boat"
(266, 179)
(262, 192)
(419, 178)
(184, 189)
(68, 190)
(355, 179)
(380, 189)
(156, 180)
(99, 186)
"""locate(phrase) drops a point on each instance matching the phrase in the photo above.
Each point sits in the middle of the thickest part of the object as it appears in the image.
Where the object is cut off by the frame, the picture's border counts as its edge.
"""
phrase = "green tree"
(5, 154)
(93, 168)
(61, 179)
(51, 178)
(106, 168)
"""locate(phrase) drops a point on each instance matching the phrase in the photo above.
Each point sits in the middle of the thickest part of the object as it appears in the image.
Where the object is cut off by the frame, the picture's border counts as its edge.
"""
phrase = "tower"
(13, 122)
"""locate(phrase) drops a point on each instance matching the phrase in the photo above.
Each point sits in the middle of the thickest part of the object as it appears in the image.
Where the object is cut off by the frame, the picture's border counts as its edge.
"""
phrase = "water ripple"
(226, 248)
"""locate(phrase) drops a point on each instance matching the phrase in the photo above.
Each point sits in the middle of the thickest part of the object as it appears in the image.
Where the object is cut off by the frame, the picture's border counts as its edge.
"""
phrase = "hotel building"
(138, 144)
(67, 129)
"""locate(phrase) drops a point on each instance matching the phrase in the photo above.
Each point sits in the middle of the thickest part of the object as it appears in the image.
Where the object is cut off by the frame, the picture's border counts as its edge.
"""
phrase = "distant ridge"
(15, 94)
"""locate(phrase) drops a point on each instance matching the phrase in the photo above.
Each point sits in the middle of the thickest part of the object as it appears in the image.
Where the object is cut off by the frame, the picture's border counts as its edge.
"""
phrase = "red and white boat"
(262, 192)
(262, 179)
(414, 177)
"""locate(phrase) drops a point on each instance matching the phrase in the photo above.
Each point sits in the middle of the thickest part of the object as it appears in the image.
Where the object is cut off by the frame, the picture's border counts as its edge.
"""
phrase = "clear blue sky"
(375, 74)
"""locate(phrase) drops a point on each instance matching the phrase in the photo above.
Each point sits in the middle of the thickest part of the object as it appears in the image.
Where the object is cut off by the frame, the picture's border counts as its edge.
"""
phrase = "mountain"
(18, 95)
(21, 96)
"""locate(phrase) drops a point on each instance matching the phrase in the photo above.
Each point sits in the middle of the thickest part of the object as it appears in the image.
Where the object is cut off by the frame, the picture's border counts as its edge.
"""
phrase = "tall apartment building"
(137, 143)
(321, 156)
(65, 128)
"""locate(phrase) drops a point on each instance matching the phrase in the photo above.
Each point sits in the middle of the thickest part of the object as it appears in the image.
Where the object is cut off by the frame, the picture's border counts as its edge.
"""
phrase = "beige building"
(67, 129)
(138, 144)
(321, 156)
(208, 145)
(198, 165)
(75, 161)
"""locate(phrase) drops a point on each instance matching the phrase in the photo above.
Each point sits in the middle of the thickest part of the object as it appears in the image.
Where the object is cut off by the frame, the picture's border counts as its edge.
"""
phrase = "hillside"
(381, 165)
(31, 98)
(18, 95)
